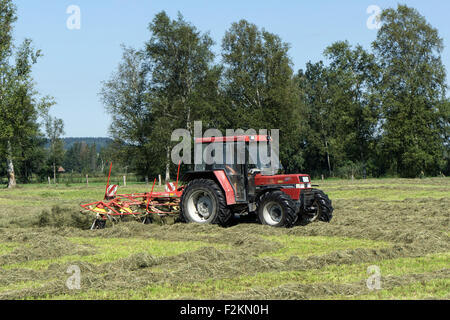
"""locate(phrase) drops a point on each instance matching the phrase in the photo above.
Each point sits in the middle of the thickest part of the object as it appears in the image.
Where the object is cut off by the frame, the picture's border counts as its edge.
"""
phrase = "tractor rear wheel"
(203, 201)
(277, 209)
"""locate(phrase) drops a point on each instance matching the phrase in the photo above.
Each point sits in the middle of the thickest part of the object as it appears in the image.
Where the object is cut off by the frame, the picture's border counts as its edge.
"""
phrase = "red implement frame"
(139, 205)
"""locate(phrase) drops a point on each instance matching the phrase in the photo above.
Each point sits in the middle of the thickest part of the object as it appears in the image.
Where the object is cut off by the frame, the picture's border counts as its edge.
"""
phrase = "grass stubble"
(401, 226)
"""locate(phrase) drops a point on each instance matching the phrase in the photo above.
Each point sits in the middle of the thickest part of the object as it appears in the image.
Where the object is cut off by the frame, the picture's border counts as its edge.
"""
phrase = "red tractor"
(216, 192)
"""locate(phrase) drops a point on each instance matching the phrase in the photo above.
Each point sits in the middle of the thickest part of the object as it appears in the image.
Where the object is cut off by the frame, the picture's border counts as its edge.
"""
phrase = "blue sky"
(75, 62)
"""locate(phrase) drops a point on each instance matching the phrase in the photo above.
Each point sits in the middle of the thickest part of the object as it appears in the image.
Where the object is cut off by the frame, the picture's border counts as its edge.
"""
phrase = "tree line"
(20, 103)
(360, 112)
(31, 143)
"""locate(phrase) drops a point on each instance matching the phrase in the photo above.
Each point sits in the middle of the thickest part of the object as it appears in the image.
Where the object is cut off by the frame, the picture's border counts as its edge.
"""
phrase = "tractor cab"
(241, 159)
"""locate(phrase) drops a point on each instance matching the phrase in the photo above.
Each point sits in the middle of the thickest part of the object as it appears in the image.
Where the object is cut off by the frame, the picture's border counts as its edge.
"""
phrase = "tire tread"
(224, 213)
(287, 203)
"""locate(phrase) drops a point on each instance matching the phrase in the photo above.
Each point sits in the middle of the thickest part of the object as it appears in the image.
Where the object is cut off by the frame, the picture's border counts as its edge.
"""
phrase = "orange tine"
(148, 198)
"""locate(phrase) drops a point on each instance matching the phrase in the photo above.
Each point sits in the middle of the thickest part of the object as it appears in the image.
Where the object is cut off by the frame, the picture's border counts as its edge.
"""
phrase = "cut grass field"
(399, 225)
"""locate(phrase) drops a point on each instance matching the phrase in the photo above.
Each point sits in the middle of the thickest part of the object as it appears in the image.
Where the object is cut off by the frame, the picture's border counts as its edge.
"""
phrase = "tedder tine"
(142, 206)
(150, 195)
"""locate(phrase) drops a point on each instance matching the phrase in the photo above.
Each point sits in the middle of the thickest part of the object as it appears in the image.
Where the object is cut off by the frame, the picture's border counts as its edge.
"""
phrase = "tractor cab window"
(255, 161)
(227, 161)
(234, 168)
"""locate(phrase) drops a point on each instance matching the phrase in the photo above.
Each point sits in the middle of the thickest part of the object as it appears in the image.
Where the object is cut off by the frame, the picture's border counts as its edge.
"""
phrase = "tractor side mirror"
(254, 171)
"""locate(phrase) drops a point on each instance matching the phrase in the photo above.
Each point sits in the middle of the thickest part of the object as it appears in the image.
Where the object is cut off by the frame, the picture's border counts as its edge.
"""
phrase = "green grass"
(401, 225)
(431, 289)
(29, 195)
(34, 284)
(315, 246)
(8, 247)
(111, 249)
(387, 189)
(384, 195)
(337, 274)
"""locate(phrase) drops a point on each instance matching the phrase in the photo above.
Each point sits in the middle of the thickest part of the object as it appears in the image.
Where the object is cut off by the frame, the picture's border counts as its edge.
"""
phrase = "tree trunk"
(188, 113)
(188, 121)
(328, 158)
(54, 172)
(168, 165)
(363, 159)
(10, 167)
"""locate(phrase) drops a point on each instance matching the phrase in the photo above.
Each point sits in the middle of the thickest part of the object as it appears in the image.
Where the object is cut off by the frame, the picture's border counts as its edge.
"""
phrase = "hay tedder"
(213, 193)
(142, 206)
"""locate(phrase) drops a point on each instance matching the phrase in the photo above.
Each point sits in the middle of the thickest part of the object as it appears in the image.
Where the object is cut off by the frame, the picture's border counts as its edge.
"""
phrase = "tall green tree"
(7, 18)
(260, 88)
(412, 90)
(77, 158)
(314, 84)
(19, 105)
(166, 86)
(54, 129)
(354, 75)
(126, 97)
(180, 62)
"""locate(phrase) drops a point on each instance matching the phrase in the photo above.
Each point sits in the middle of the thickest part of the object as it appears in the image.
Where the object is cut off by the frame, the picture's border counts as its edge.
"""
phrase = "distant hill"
(99, 142)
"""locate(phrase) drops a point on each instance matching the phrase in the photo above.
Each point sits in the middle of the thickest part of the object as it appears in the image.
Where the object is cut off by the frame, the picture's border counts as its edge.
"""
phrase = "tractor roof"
(247, 138)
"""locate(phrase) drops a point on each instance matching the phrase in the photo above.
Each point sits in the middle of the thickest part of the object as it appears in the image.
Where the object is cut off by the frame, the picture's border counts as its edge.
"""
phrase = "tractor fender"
(219, 177)
(263, 191)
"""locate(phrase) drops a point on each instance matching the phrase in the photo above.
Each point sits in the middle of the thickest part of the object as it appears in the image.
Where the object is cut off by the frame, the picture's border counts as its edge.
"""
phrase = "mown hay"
(40, 251)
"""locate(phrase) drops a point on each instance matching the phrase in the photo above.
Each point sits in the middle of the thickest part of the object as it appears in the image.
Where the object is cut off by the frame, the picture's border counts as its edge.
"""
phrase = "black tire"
(325, 205)
(98, 224)
(147, 219)
(218, 214)
(285, 209)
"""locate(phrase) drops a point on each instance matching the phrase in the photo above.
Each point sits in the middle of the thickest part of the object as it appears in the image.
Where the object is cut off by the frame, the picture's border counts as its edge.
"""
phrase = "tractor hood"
(291, 184)
(300, 181)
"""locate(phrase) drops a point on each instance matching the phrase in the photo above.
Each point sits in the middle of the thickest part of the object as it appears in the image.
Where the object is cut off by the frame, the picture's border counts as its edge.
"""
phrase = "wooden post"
(49, 183)
(87, 180)
(159, 176)
(322, 177)
(146, 181)
(124, 181)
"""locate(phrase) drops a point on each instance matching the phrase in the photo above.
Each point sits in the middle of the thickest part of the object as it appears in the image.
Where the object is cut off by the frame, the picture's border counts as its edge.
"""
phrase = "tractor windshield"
(233, 155)
(255, 162)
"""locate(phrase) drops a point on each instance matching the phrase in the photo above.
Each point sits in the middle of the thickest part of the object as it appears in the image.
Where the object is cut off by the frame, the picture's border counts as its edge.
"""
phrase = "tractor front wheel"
(324, 206)
(277, 209)
(321, 209)
(203, 202)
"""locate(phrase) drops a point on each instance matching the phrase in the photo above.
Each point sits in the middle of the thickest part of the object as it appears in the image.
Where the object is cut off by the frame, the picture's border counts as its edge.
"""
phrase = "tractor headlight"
(300, 186)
